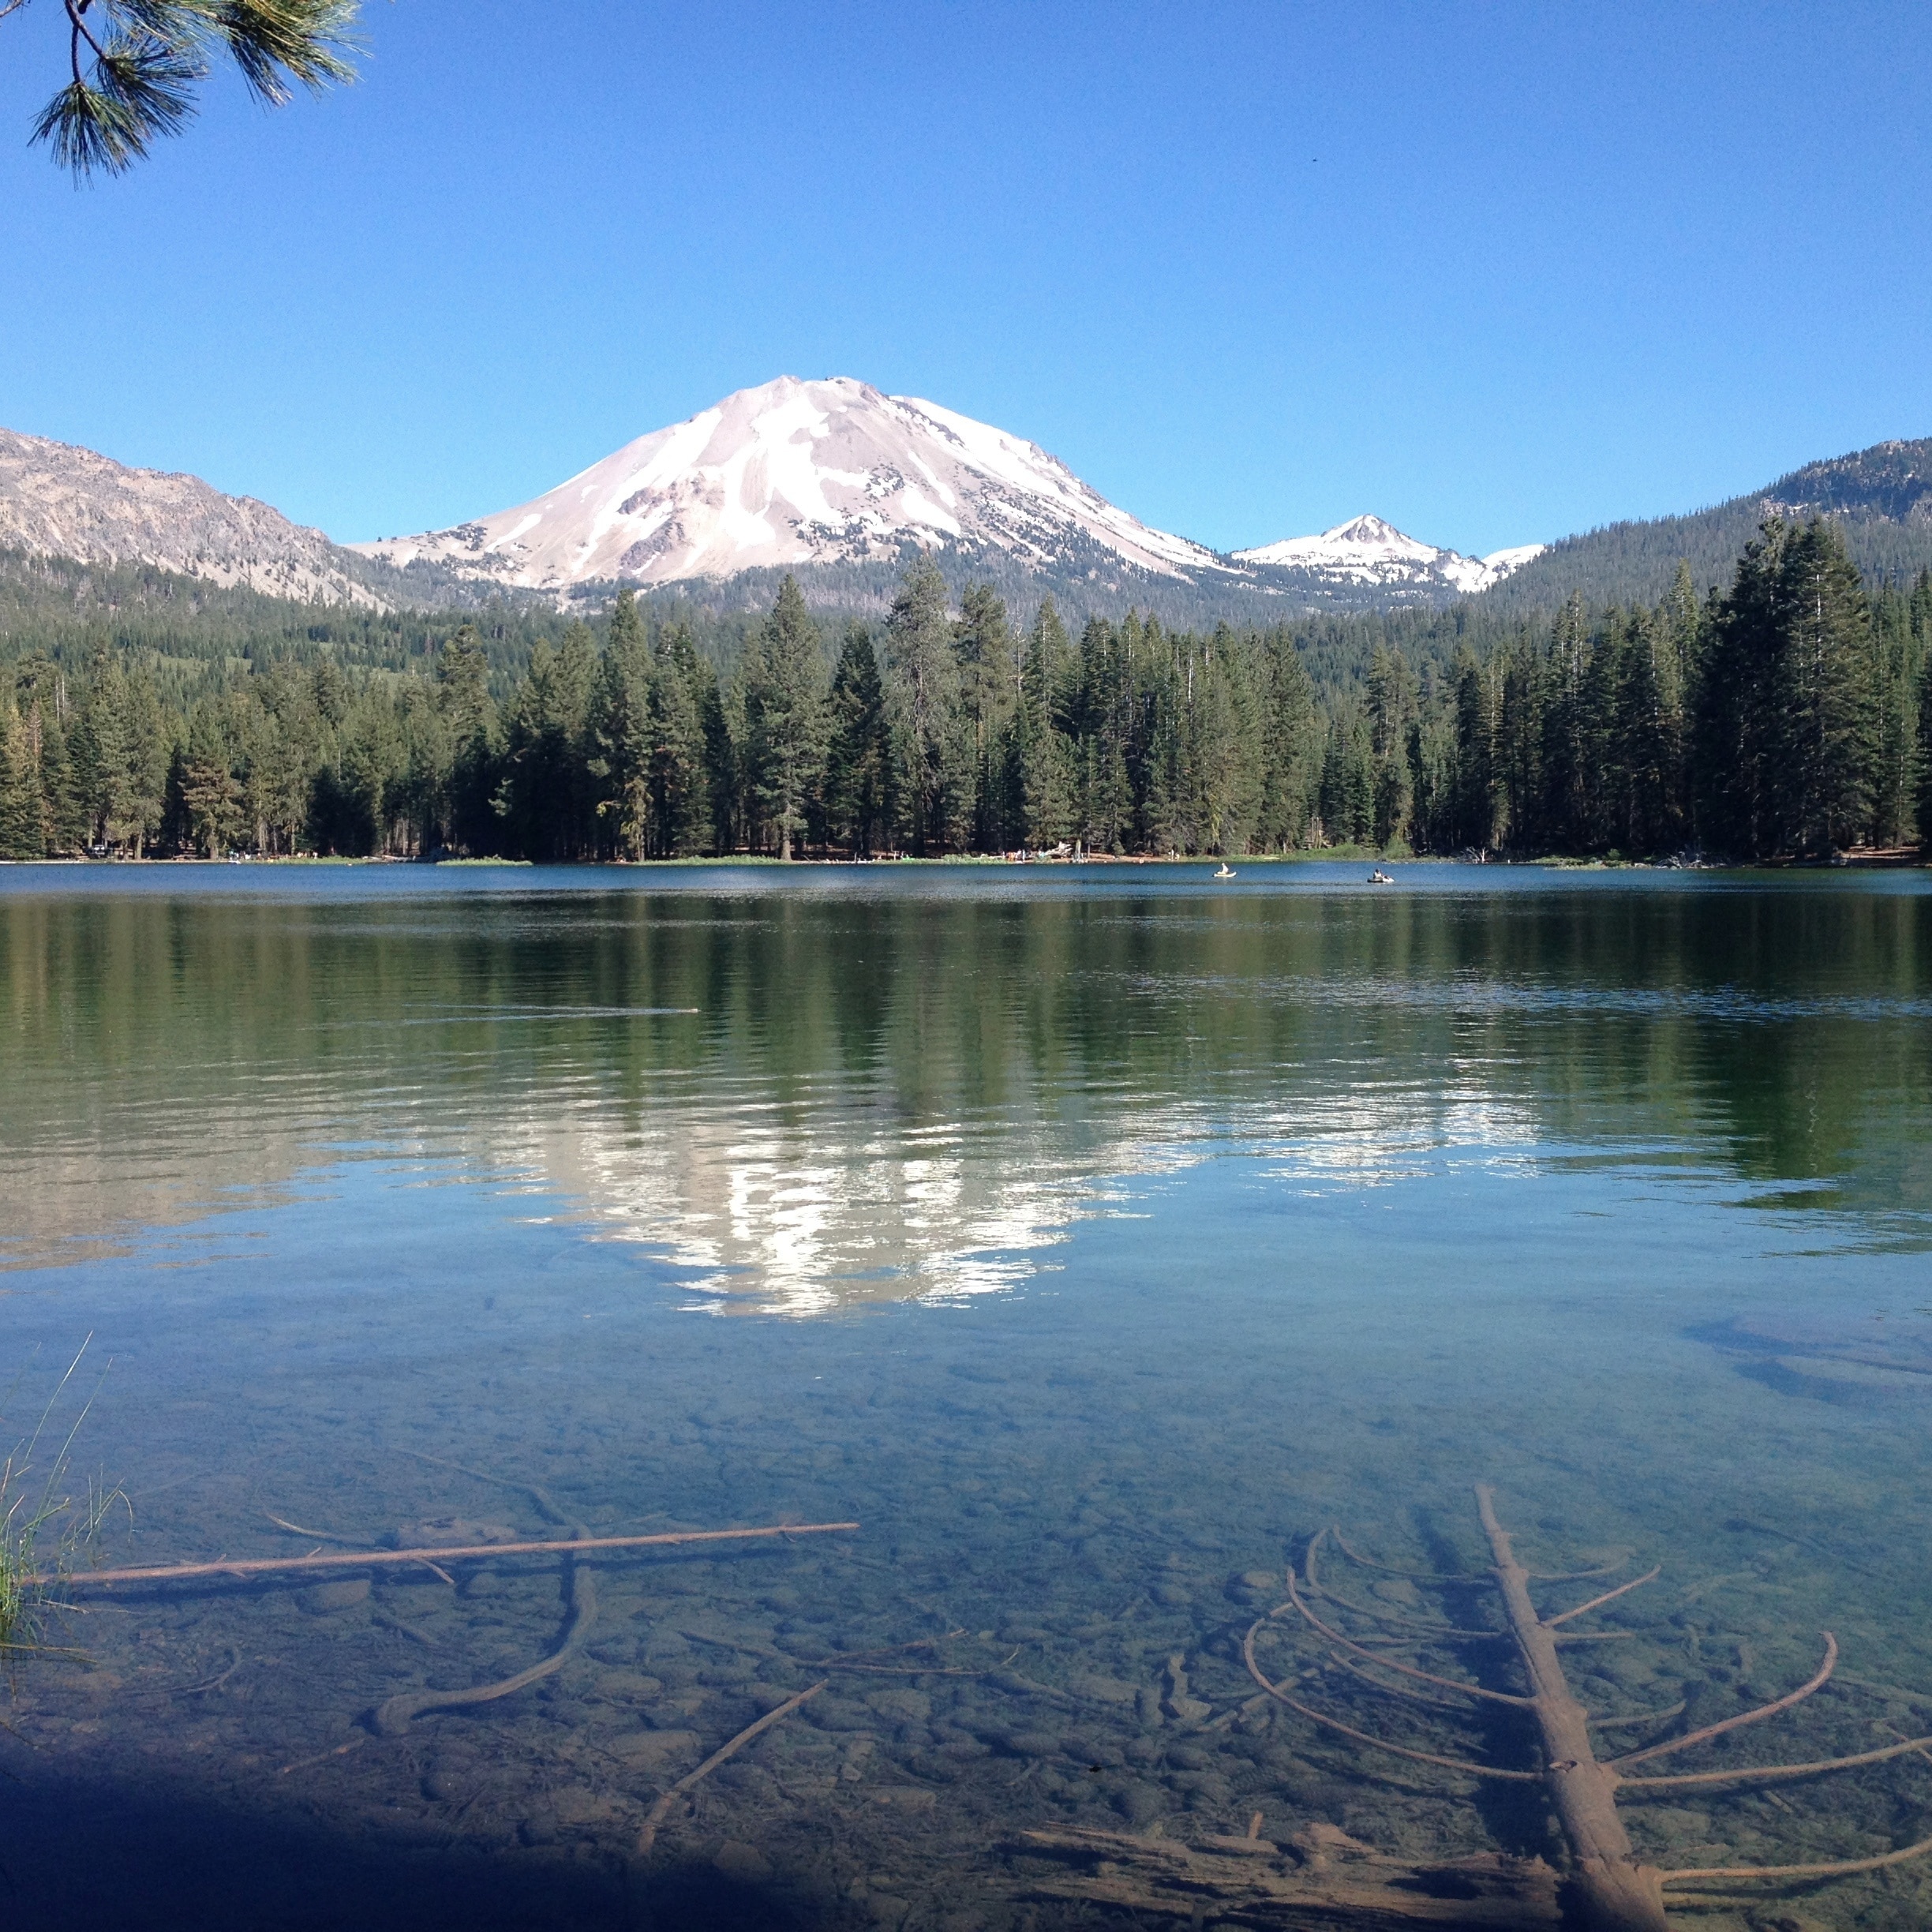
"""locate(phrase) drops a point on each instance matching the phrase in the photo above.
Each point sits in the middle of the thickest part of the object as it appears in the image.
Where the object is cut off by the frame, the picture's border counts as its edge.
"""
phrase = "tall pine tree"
(785, 716)
(932, 744)
(621, 733)
(859, 758)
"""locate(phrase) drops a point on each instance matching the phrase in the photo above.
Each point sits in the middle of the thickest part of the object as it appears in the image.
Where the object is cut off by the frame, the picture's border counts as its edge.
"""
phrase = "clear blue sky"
(1497, 272)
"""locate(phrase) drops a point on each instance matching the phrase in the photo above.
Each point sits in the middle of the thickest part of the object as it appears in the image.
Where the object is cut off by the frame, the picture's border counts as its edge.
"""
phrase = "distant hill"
(191, 629)
(1883, 495)
(59, 500)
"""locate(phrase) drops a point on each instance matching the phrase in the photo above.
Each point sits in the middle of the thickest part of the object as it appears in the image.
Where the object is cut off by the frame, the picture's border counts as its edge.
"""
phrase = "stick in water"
(656, 1816)
(365, 1559)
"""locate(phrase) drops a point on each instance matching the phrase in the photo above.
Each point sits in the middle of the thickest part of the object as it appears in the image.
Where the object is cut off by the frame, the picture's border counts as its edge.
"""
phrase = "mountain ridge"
(745, 489)
(828, 478)
(61, 499)
(1882, 495)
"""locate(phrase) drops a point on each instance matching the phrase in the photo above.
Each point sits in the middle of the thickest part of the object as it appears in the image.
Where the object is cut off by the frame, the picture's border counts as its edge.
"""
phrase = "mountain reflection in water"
(809, 1097)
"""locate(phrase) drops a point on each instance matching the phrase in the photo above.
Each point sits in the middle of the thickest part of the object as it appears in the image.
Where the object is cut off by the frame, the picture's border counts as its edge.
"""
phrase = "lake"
(1093, 1240)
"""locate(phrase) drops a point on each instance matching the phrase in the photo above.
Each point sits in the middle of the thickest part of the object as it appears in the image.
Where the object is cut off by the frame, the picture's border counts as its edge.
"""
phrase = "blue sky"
(1496, 272)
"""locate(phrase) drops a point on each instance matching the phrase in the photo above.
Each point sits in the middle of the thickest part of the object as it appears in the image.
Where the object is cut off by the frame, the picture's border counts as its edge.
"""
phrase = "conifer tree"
(1735, 751)
(1520, 673)
(204, 781)
(415, 789)
(621, 732)
(721, 707)
(1895, 699)
(41, 697)
(1921, 622)
(1647, 745)
(680, 793)
(124, 758)
(370, 756)
(1473, 802)
(289, 756)
(1225, 733)
(1102, 719)
(463, 694)
(1822, 691)
(1167, 776)
(1391, 707)
(542, 796)
(21, 834)
(1038, 757)
(1682, 619)
(859, 762)
(1291, 745)
(932, 749)
(989, 659)
(1565, 760)
(1599, 803)
(785, 716)
(1347, 806)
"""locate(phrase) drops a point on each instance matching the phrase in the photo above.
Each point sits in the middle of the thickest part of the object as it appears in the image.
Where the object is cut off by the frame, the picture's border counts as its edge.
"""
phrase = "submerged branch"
(363, 1560)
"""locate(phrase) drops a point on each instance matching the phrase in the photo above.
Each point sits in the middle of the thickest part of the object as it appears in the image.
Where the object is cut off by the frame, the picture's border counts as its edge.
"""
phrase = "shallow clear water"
(1090, 1239)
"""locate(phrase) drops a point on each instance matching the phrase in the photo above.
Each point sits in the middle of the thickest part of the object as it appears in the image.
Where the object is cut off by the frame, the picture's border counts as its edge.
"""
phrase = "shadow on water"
(80, 1854)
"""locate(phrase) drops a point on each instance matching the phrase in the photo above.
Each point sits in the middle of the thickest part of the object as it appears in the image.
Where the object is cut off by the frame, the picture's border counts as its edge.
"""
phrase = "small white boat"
(1377, 877)
(1226, 871)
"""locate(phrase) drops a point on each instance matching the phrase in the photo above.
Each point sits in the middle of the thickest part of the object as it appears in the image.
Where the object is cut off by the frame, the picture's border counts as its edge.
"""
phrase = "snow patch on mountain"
(796, 473)
(1501, 564)
(1367, 551)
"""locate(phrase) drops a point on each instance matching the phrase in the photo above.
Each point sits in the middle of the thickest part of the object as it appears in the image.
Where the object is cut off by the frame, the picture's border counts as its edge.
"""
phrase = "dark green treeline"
(1788, 715)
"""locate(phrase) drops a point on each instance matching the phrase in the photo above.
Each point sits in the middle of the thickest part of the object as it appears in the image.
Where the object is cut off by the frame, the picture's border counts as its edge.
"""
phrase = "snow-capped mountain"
(1368, 551)
(794, 473)
(56, 500)
(834, 479)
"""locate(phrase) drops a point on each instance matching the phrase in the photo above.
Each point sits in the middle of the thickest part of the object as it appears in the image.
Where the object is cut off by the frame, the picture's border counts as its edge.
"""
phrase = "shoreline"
(1892, 859)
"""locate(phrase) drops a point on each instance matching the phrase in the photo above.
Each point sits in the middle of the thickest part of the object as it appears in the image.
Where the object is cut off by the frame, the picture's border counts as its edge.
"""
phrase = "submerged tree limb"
(1318, 1878)
(647, 1834)
(364, 1559)
(1467, 1768)
(1743, 1717)
(1610, 1889)
(1836, 1868)
(1446, 1683)
(1771, 1774)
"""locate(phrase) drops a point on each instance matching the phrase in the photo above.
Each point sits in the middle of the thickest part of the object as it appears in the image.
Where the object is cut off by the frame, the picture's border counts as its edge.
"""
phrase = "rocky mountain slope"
(59, 500)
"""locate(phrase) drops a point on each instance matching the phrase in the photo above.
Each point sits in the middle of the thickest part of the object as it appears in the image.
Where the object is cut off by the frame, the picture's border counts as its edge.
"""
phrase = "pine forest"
(1785, 715)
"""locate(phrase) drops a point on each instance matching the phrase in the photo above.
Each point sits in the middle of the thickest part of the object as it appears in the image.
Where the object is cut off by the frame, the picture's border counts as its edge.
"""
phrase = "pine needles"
(137, 64)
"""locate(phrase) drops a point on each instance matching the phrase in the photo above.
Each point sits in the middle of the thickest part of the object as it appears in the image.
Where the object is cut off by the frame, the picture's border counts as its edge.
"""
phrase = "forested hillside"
(1881, 496)
(1788, 715)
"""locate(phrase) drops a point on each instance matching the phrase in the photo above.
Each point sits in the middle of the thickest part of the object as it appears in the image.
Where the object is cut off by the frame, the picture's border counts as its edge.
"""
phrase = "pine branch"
(274, 42)
(139, 82)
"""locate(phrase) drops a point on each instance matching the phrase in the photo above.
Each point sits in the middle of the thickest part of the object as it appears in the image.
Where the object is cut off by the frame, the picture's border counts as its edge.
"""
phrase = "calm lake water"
(1092, 1239)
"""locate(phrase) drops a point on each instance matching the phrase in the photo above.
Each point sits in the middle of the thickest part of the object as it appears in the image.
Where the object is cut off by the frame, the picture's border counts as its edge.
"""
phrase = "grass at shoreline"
(43, 1527)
